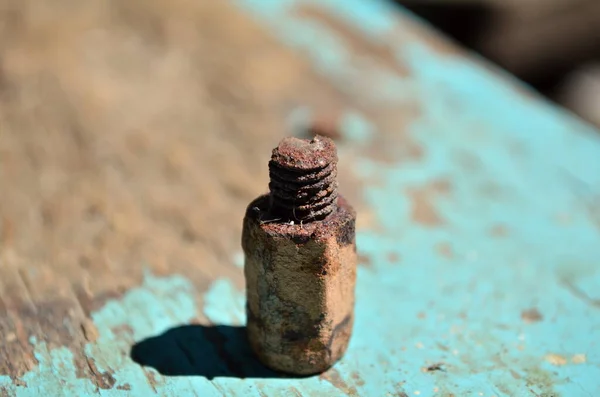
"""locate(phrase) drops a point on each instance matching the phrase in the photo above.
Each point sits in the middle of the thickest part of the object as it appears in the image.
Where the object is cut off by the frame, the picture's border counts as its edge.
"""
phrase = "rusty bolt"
(300, 261)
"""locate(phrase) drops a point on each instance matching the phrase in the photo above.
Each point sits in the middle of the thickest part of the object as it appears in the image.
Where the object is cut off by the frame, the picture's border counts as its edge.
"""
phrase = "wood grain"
(131, 134)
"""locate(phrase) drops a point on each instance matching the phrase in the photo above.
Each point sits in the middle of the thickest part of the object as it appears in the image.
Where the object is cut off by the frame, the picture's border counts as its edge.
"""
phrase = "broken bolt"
(300, 261)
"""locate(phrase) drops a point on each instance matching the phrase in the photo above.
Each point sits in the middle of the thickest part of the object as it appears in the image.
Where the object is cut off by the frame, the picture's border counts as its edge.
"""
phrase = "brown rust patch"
(357, 379)
(90, 332)
(301, 155)
(379, 50)
(444, 250)
(423, 210)
(340, 224)
(364, 260)
(123, 330)
(59, 322)
(310, 255)
(125, 386)
(151, 379)
(103, 380)
(333, 376)
(92, 302)
(531, 315)
(393, 257)
(499, 231)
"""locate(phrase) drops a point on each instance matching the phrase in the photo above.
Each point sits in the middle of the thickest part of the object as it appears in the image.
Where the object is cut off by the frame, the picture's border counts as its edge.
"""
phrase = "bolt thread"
(303, 182)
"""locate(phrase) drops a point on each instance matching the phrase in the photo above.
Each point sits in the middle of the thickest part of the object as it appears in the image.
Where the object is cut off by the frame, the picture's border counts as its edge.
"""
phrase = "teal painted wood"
(511, 185)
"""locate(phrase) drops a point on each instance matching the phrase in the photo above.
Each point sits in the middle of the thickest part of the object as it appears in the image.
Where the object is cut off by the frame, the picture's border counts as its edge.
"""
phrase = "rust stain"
(125, 386)
(441, 186)
(332, 376)
(90, 332)
(91, 302)
(393, 257)
(499, 231)
(381, 50)
(531, 315)
(423, 211)
(151, 379)
(122, 330)
(421, 315)
(364, 260)
(103, 380)
(445, 250)
(357, 379)
(16, 346)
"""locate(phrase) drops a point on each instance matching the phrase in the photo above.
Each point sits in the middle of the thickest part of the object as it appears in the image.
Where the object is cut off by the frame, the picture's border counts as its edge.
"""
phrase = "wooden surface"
(133, 134)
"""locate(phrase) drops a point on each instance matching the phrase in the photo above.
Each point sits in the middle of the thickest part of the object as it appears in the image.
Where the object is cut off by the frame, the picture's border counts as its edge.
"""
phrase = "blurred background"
(125, 126)
(554, 45)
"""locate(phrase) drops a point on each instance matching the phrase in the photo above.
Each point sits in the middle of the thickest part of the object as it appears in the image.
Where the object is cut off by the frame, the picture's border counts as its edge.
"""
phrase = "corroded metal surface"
(300, 283)
(300, 277)
(478, 219)
(303, 179)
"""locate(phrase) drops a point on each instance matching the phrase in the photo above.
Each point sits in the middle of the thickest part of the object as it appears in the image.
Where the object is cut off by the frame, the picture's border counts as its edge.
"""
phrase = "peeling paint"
(458, 295)
(454, 265)
(150, 309)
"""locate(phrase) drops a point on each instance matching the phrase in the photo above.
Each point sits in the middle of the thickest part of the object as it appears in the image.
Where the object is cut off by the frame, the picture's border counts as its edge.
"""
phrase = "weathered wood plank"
(132, 135)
